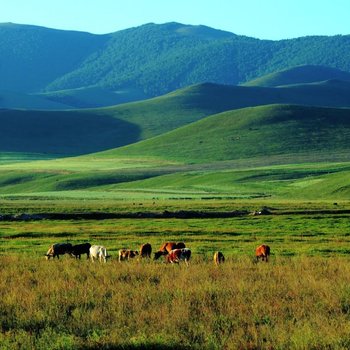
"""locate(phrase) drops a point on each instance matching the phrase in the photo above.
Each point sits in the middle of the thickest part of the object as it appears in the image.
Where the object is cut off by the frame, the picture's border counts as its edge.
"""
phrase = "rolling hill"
(152, 59)
(262, 131)
(208, 96)
(303, 74)
(233, 153)
(77, 132)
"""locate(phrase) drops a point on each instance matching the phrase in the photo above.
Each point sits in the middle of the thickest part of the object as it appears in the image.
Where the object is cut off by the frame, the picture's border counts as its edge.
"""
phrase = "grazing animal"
(262, 252)
(58, 249)
(218, 258)
(98, 252)
(177, 255)
(145, 250)
(127, 254)
(167, 247)
(79, 249)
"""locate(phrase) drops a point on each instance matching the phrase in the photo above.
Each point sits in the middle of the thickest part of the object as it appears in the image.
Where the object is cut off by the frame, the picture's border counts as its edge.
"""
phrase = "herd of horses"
(173, 252)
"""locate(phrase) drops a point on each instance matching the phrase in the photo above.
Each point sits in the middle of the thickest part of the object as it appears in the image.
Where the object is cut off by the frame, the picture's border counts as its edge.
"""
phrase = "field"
(290, 303)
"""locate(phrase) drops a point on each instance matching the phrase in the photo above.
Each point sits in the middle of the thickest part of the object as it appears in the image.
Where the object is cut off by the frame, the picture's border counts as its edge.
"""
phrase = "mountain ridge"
(153, 58)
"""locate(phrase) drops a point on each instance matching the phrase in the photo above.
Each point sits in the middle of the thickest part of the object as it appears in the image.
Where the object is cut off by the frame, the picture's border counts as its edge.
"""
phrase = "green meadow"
(298, 300)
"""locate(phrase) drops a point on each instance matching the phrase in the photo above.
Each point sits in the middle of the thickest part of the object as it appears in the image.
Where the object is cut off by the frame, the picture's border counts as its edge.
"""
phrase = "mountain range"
(149, 60)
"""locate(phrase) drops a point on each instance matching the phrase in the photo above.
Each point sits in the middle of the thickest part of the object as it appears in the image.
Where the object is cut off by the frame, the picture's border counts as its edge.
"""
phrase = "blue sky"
(264, 19)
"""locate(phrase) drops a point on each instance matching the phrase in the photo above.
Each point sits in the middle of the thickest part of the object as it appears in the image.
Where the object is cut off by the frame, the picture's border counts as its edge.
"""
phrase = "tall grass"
(289, 303)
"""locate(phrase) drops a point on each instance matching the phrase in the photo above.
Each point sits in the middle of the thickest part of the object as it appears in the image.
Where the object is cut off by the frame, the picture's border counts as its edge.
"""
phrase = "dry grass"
(296, 303)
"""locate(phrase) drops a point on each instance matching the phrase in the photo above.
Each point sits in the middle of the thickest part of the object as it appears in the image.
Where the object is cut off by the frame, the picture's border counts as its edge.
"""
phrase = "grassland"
(290, 303)
(299, 300)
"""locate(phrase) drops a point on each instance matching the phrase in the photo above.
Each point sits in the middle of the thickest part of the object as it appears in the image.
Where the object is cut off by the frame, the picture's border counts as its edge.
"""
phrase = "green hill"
(77, 132)
(228, 154)
(300, 75)
(251, 132)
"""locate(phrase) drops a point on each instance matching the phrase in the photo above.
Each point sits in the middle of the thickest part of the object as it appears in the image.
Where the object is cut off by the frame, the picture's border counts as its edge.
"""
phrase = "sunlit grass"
(289, 303)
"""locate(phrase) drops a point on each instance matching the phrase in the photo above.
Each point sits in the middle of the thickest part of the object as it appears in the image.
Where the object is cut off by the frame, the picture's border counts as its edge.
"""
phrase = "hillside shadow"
(63, 132)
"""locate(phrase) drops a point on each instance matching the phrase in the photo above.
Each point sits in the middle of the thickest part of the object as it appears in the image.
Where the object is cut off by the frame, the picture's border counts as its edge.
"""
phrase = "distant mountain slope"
(300, 75)
(153, 59)
(251, 132)
(161, 58)
(32, 57)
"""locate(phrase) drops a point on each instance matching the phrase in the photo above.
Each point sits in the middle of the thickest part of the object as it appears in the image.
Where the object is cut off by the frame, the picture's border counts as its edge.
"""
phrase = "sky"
(263, 19)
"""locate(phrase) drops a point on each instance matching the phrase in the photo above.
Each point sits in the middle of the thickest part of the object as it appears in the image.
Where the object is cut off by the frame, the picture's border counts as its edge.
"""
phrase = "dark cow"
(218, 258)
(262, 252)
(58, 249)
(79, 249)
(145, 250)
(127, 254)
(167, 247)
(177, 255)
